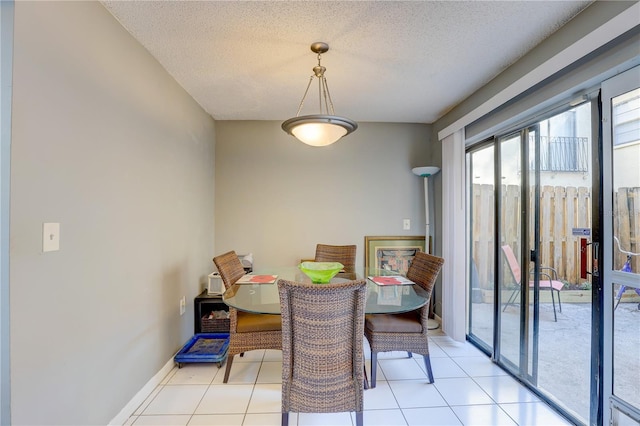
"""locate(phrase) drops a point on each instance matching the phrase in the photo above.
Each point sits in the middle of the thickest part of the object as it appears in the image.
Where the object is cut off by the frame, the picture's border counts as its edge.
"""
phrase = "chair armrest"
(554, 273)
(548, 277)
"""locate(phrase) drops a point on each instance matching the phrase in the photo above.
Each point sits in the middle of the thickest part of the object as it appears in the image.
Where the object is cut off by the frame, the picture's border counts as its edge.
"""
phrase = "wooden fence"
(561, 209)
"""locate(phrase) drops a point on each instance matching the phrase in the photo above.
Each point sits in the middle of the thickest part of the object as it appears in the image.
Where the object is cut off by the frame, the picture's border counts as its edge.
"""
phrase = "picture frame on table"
(393, 253)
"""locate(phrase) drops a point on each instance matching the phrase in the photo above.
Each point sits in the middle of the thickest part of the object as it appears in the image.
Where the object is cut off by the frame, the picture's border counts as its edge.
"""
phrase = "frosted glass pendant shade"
(319, 130)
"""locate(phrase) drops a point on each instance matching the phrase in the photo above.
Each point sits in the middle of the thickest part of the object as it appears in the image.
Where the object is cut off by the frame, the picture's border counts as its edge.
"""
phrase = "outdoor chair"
(322, 358)
(247, 331)
(343, 254)
(550, 282)
(406, 331)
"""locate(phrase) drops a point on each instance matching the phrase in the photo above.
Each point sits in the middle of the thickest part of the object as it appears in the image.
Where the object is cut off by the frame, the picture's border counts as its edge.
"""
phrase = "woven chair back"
(322, 359)
(343, 254)
(424, 270)
(229, 267)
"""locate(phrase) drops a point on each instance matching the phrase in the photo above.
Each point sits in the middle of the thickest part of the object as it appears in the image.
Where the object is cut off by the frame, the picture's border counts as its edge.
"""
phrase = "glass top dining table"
(381, 299)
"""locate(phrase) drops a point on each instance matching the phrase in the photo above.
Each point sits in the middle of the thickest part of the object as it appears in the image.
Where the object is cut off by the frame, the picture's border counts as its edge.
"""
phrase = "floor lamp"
(426, 172)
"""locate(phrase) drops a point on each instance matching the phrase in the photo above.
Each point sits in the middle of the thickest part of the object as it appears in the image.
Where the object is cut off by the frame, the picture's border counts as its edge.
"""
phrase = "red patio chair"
(550, 281)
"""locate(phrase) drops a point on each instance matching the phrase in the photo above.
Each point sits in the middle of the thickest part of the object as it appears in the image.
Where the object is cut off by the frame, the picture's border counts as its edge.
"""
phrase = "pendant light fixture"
(324, 128)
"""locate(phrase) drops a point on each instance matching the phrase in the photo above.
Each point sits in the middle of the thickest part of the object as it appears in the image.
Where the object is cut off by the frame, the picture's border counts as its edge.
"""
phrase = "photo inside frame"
(395, 258)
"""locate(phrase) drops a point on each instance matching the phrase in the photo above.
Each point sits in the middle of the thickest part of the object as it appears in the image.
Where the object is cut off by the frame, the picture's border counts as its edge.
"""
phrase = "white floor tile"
(147, 401)
(225, 399)
(379, 373)
(324, 419)
(534, 413)
(455, 349)
(469, 389)
(416, 393)
(445, 368)
(169, 375)
(462, 391)
(479, 366)
(251, 356)
(266, 398)
(440, 339)
(436, 351)
(272, 355)
(436, 416)
(241, 372)
(267, 419)
(379, 397)
(171, 420)
(216, 420)
(194, 374)
(270, 372)
(401, 369)
(381, 418)
(483, 415)
(176, 399)
(505, 389)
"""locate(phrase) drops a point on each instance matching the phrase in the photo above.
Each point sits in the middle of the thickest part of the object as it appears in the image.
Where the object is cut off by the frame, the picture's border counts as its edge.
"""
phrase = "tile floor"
(468, 390)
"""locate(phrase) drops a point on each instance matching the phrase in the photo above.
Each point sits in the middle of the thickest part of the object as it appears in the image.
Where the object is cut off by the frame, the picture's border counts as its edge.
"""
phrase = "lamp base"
(432, 324)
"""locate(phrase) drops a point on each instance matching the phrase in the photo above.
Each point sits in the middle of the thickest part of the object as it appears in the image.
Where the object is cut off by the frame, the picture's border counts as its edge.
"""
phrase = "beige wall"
(277, 197)
(106, 143)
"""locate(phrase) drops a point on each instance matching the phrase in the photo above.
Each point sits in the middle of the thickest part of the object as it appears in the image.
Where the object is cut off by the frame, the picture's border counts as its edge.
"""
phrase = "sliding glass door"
(529, 194)
(621, 249)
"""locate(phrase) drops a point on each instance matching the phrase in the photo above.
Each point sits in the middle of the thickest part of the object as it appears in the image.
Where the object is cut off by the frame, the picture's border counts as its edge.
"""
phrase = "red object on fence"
(583, 258)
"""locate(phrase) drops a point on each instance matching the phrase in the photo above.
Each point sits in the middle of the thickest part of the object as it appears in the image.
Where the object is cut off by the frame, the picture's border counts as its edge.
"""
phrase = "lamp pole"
(426, 172)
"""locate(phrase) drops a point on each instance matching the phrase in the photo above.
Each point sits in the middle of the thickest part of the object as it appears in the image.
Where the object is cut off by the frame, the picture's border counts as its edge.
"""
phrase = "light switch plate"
(406, 224)
(50, 237)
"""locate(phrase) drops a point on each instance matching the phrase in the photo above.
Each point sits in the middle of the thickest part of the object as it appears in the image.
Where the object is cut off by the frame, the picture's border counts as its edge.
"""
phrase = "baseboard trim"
(128, 410)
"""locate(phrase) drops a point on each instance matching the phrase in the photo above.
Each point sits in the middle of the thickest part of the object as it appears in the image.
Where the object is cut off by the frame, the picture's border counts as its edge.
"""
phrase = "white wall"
(106, 143)
(277, 197)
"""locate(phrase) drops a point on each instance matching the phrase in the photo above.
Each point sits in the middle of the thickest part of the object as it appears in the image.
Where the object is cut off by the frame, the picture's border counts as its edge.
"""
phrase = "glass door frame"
(487, 347)
(610, 403)
(527, 339)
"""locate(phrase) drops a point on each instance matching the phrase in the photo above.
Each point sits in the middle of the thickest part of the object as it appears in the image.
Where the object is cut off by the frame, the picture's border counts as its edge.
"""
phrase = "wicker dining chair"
(322, 358)
(343, 254)
(406, 331)
(247, 331)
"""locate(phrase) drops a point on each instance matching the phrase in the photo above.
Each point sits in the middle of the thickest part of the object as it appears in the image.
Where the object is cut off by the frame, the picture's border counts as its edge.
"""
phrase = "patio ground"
(564, 366)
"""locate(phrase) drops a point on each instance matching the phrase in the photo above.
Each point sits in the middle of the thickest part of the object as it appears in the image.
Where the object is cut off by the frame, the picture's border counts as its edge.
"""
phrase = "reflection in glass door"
(621, 249)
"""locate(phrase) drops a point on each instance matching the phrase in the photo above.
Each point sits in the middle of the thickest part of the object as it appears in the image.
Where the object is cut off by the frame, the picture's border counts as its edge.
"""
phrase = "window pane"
(482, 244)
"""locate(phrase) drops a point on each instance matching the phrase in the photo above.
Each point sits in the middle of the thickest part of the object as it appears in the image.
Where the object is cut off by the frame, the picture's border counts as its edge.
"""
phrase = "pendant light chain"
(304, 96)
(323, 91)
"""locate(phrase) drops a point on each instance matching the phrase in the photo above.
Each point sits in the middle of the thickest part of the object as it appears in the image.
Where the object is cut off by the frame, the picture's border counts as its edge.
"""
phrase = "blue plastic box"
(204, 347)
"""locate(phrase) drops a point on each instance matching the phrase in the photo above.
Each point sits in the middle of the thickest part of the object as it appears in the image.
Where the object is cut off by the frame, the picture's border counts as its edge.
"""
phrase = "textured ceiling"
(389, 61)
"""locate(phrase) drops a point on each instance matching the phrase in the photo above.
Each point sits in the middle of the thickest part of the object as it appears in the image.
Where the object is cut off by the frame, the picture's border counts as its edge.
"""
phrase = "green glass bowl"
(320, 272)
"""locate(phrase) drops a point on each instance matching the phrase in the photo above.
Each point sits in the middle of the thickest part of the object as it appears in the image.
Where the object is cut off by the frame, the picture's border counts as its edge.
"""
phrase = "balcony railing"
(564, 154)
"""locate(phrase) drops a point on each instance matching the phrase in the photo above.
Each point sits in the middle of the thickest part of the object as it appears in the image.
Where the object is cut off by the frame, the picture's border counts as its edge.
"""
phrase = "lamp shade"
(425, 171)
(319, 130)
